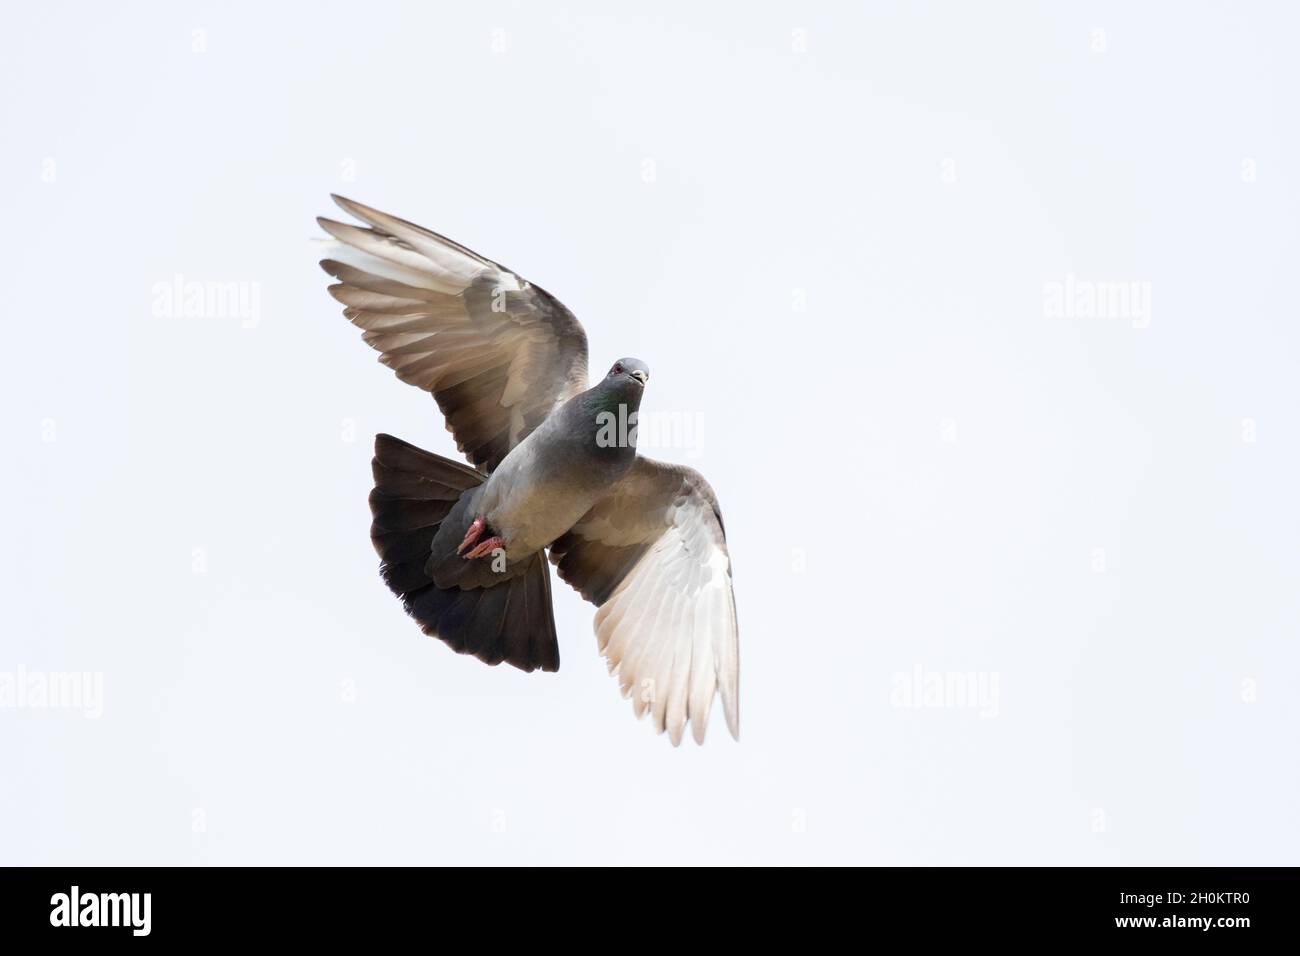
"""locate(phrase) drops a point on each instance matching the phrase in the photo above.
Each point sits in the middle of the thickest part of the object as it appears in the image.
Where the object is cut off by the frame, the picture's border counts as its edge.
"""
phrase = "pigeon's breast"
(535, 507)
(541, 489)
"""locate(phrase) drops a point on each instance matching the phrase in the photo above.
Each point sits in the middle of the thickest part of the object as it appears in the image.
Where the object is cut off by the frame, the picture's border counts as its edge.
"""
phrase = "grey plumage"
(465, 549)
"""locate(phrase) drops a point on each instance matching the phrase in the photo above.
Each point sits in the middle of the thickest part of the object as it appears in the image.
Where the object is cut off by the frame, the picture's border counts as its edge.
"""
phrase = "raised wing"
(652, 555)
(497, 353)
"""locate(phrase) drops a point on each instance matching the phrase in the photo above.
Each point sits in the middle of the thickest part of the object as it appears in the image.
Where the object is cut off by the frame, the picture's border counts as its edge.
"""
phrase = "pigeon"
(555, 480)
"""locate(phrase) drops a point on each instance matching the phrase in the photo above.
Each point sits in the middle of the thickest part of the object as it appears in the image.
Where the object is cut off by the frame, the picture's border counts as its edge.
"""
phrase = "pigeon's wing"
(652, 555)
(497, 352)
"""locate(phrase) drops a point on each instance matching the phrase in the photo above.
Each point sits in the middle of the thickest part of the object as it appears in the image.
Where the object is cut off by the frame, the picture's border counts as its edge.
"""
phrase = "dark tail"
(512, 621)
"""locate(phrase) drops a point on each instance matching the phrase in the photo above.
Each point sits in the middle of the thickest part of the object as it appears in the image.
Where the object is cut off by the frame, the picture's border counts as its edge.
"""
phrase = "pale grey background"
(838, 267)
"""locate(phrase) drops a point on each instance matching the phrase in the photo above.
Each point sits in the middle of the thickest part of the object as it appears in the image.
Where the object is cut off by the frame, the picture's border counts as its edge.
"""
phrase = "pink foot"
(472, 535)
(487, 547)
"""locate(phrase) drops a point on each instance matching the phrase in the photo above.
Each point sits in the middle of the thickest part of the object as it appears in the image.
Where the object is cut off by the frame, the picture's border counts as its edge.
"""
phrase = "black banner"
(1165, 905)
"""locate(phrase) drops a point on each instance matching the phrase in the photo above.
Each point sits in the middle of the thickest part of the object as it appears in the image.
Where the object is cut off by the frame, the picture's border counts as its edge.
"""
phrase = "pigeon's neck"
(608, 415)
(615, 398)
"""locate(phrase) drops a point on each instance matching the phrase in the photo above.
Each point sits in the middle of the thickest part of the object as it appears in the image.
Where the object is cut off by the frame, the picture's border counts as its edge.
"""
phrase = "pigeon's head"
(629, 370)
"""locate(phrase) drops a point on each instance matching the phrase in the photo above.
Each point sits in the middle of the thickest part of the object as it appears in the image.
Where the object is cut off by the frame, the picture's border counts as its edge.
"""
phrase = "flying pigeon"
(555, 474)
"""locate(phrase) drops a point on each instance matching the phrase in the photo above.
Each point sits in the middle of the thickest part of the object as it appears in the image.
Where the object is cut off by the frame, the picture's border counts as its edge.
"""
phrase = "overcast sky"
(982, 324)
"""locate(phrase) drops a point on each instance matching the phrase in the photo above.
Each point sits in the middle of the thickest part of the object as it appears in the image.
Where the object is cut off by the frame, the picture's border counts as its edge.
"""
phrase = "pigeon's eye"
(618, 369)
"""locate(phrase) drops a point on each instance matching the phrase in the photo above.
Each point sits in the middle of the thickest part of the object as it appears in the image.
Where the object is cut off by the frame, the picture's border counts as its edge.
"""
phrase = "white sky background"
(839, 269)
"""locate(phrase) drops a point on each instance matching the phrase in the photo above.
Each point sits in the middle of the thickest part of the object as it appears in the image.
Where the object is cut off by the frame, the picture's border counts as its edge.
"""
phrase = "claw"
(487, 546)
(472, 535)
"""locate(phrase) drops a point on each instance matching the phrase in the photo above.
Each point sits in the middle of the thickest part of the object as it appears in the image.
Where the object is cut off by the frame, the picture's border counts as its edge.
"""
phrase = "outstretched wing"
(497, 353)
(652, 555)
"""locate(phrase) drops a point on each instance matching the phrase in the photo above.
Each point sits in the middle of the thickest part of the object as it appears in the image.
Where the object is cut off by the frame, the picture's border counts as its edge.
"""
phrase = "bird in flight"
(555, 475)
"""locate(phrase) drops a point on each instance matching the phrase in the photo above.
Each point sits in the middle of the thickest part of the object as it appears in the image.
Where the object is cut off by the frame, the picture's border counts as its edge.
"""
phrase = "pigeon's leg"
(487, 546)
(472, 535)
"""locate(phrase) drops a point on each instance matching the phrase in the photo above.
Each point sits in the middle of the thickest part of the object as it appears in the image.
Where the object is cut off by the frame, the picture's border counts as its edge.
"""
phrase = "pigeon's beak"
(641, 377)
